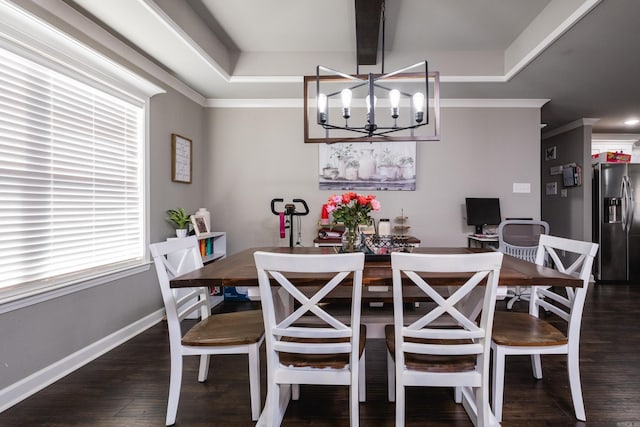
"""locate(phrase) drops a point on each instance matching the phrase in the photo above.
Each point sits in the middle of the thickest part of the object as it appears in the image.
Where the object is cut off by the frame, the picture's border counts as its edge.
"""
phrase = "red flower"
(352, 208)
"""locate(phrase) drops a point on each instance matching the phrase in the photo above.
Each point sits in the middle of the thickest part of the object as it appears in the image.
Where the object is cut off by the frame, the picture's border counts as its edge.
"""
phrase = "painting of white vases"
(367, 166)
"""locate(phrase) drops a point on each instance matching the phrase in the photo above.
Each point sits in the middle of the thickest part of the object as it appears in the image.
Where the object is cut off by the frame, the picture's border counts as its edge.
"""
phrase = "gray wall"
(256, 155)
(568, 216)
(174, 113)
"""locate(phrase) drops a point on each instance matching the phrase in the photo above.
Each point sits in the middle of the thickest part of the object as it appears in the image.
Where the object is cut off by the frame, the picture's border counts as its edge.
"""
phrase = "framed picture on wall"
(550, 153)
(181, 163)
(374, 166)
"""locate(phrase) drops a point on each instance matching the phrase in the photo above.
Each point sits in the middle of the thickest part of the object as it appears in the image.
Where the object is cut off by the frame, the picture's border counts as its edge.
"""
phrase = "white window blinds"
(71, 176)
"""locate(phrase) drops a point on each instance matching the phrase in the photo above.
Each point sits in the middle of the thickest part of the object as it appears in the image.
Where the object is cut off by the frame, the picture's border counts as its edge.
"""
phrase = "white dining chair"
(226, 333)
(528, 334)
(519, 238)
(305, 343)
(446, 346)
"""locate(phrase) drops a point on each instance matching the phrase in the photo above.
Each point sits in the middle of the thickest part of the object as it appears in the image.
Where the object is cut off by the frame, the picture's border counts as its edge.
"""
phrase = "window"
(71, 176)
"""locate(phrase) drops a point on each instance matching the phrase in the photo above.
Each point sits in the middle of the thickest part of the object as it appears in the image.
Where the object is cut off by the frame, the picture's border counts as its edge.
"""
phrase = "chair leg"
(175, 382)
(295, 391)
(498, 381)
(536, 366)
(400, 399)
(457, 394)
(272, 404)
(469, 397)
(391, 375)
(203, 372)
(254, 381)
(354, 396)
(573, 367)
(362, 379)
(481, 395)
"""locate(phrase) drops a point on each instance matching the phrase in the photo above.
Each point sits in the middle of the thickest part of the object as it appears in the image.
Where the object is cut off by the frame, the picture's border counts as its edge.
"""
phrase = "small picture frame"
(551, 188)
(550, 153)
(181, 163)
(200, 224)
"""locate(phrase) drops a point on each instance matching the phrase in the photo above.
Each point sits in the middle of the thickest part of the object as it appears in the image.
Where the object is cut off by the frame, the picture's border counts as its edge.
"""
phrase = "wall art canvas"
(181, 163)
(367, 166)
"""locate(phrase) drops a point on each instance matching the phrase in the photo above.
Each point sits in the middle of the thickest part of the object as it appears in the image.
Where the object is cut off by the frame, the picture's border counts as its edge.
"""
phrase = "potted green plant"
(180, 219)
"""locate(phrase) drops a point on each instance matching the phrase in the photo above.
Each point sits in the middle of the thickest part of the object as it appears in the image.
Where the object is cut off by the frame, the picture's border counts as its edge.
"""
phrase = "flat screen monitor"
(483, 211)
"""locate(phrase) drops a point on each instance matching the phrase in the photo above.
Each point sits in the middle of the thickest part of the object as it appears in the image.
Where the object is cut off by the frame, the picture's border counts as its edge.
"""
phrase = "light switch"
(521, 187)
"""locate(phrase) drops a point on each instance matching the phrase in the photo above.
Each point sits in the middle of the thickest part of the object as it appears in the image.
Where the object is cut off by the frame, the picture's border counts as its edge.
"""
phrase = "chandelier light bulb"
(394, 99)
(346, 96)
(322, 108)
(418, 106)
(369, 126)
(322, 103)
(367, 101)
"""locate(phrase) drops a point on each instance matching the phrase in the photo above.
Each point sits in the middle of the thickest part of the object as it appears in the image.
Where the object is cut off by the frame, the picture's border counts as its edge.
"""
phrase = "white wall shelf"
(213, 246)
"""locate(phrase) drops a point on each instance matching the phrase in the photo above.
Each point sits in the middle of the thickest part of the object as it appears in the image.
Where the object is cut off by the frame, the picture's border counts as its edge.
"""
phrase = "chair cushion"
(430, 362)
(524, 330)
(242, 327)
(332, 360)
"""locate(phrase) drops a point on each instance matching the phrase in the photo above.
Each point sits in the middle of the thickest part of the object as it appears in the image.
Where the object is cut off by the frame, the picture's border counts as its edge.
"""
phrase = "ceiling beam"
(368, 13)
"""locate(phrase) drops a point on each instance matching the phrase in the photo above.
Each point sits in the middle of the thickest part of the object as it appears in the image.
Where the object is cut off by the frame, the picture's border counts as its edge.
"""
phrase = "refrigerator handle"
(625, 204)
(631, 206)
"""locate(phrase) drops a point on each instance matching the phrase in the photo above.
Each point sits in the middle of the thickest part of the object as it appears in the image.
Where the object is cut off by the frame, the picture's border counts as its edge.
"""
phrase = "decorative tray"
(379, 248)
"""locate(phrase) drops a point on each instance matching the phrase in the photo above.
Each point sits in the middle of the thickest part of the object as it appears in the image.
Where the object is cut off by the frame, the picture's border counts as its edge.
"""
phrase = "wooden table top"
(239, 270)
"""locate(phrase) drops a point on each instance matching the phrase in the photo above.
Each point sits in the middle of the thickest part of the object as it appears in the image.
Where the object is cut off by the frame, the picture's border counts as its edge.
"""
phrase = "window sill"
(26, 295)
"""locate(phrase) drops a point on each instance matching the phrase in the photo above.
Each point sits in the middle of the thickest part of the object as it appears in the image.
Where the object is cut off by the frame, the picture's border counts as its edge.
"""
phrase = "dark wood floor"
(129, 385)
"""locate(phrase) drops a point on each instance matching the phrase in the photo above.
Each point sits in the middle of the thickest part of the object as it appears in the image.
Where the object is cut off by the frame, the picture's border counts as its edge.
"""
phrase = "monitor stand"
(479, 229)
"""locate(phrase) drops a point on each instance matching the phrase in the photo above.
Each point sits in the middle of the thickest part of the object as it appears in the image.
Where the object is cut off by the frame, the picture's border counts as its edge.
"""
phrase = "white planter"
(406, 172)
(181, 232)
(388, 172)
(367, 164)
(351, 173)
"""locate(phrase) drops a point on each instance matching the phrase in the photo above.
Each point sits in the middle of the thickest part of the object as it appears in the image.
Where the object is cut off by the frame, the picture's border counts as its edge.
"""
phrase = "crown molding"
(615, 137)
(444, 103)
(551, 37)
(569, 126)
(69, 15)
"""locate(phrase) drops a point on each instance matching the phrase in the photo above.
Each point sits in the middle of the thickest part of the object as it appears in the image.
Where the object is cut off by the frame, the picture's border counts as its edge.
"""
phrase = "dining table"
(239, 270)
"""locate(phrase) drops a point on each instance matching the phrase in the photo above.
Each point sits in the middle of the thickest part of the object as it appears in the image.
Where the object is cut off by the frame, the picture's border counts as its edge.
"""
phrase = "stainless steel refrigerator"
(616, 221)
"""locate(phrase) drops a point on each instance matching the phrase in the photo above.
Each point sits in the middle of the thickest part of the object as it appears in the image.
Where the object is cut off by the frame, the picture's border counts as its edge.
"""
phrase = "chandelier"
(403, 105)
(400, 106)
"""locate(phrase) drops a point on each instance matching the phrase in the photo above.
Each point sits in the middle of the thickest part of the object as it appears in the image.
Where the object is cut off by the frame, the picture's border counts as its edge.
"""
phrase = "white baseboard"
(35, 382)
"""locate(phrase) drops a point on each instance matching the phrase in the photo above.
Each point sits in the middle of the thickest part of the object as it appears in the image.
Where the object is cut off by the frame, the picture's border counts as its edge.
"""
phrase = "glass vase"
(351, 239)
